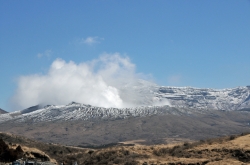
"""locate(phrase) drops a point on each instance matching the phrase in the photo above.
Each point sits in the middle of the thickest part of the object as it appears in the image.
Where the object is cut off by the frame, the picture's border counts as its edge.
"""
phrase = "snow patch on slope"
(76, 111)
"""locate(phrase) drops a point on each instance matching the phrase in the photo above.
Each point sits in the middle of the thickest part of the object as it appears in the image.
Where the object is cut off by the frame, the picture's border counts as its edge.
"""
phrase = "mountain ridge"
(154, 99)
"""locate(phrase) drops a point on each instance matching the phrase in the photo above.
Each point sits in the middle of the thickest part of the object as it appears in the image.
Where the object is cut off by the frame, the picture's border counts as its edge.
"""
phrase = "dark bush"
(232, 137)
(161, 151)
(131, 162)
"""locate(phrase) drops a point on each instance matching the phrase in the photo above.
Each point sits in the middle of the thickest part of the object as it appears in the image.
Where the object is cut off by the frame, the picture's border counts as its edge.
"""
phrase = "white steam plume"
(99, 82)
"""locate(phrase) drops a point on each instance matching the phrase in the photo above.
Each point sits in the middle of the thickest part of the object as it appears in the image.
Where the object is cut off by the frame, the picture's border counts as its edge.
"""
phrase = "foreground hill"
(225, 150)
(13, 147)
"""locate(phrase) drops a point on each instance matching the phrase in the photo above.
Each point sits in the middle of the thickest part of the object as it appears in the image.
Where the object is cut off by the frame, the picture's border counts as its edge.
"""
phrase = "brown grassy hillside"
(226, 150)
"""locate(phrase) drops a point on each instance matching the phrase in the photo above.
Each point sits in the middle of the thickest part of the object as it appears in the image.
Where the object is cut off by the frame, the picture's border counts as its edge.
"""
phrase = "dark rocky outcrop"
(8, 154)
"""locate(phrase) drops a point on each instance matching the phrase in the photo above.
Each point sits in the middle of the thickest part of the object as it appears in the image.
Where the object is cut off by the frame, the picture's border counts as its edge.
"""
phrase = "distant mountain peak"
(2, 111)
(73, 103)
(31, 109)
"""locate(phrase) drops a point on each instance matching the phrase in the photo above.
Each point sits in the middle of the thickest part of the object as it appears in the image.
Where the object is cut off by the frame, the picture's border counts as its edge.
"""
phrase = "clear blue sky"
(196, 43)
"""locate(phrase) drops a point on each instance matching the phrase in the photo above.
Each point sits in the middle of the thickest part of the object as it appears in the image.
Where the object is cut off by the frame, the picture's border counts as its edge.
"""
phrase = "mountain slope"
(153, 129)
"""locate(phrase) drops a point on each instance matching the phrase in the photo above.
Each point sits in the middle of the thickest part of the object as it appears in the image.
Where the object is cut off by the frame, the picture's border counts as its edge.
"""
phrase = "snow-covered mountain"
(218, 99)
(152, 99)
(77, 111)
(225, 99)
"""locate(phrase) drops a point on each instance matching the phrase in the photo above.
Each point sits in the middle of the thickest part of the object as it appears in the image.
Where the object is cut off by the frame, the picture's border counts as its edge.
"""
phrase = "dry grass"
(225, 150)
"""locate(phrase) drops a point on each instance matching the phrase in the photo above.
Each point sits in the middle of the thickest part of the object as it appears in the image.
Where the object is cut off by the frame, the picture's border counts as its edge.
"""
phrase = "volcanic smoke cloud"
(96, 82)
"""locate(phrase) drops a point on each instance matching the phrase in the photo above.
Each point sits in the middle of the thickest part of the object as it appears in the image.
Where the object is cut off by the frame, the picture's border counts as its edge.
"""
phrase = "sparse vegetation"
(200, 152)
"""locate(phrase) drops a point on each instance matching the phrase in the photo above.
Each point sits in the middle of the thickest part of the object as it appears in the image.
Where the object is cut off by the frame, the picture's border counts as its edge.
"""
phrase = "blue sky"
(203, 44)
